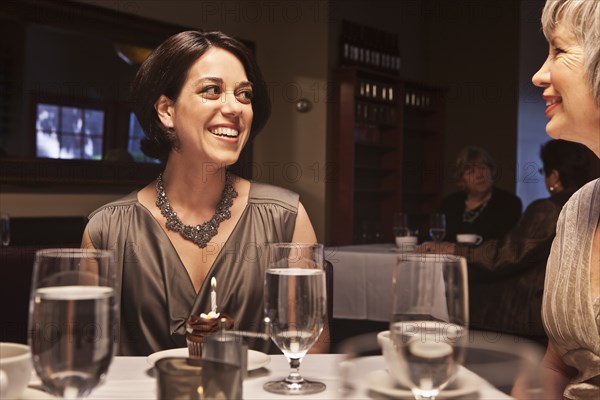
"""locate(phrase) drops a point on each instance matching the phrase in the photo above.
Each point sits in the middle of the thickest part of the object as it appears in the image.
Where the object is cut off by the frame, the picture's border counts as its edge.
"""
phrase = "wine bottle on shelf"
(360, 44)
(346, 44)
(345, 40)
(386, 50)
(396, 55)
(368, 43)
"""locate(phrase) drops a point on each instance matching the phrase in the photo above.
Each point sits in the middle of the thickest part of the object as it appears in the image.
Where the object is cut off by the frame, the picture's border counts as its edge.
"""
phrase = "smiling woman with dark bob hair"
(165, 73)
(200, 98)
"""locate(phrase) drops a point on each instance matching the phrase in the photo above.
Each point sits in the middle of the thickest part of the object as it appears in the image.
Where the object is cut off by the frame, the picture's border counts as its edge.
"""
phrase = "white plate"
(256, 359)
(381, 382)
(35, 394)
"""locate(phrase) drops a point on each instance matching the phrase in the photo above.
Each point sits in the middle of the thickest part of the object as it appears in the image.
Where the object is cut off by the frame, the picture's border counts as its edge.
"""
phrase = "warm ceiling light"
(132, 55)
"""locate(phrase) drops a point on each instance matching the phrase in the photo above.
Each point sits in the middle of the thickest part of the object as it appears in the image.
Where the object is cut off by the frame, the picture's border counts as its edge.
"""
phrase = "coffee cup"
(469, 238)
(15, 369)
(394, 362)
(406, 241)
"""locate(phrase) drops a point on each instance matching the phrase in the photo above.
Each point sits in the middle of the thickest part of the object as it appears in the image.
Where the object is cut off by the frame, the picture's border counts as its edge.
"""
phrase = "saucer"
(381, 382)
(404, 249)
(35, 394)
(256, 359)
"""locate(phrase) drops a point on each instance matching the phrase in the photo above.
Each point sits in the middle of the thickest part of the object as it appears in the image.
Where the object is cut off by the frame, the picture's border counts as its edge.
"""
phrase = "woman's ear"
(164, 110)
(554, 177)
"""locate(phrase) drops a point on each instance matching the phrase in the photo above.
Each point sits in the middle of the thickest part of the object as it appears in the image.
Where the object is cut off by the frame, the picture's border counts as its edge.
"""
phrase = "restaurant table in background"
(362, 280)
(131, 378)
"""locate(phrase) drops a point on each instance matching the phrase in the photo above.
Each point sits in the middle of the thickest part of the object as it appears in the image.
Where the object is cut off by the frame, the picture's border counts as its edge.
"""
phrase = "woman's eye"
(245, 96)
(558, 50)
(211, 91)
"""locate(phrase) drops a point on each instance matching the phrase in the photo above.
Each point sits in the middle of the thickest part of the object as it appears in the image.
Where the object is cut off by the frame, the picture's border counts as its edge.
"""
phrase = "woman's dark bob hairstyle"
(165, 72)
(570, 159)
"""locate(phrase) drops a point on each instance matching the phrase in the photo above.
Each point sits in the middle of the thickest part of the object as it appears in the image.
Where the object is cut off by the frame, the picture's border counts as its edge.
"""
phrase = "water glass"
(429, 321)
(295, 308)
(72, 319)
(437, 227)
(402, 225)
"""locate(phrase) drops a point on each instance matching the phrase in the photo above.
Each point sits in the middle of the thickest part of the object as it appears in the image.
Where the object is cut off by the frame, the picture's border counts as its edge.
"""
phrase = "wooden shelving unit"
(387, 153)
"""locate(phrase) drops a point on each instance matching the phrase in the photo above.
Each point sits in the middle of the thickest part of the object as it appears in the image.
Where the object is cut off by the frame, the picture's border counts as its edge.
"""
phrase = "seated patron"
(479, 207)
(506, 275)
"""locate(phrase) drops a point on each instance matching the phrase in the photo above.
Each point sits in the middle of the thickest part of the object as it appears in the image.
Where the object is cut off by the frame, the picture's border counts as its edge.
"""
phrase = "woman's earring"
(551, 188)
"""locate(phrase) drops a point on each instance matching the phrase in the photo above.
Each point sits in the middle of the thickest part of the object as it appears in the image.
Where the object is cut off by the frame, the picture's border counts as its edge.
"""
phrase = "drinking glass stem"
(294, 376)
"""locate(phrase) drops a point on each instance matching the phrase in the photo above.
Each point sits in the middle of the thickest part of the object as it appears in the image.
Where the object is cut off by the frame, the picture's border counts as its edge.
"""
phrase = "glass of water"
(429, 321)
(437, 227)
(295, 308)
(72, 319)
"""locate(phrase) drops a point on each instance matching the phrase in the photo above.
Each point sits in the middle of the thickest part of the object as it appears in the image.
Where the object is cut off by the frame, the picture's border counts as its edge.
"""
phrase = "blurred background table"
(362, 280)
(362, 288)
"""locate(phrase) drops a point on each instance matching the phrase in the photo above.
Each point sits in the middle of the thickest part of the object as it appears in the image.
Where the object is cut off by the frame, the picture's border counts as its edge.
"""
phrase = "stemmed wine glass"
(401, 226)
(295, 308)
(72, 319)
(429, 321)
(437, 227)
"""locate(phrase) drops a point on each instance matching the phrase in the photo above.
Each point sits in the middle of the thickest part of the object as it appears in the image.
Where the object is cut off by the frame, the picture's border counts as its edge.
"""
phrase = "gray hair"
(582, 18)
(473, 155)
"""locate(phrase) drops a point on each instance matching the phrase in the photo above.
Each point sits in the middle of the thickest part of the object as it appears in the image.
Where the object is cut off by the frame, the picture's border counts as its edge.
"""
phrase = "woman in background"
(506, 275)
(479, 207)
(570, 77)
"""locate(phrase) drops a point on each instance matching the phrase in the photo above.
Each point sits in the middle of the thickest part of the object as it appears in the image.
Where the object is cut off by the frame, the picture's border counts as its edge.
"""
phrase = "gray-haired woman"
(570, 78)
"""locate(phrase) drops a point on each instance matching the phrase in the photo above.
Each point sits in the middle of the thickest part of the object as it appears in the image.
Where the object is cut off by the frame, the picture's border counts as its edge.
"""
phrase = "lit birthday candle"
(213, 301)
(213, 295)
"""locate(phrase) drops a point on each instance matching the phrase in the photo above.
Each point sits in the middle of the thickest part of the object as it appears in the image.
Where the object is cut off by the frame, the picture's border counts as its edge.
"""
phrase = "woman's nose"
(542, 77)
(231, 105)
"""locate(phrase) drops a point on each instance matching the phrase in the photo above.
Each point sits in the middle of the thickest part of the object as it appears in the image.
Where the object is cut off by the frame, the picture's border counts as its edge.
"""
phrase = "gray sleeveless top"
(570, 314)
(157, 295)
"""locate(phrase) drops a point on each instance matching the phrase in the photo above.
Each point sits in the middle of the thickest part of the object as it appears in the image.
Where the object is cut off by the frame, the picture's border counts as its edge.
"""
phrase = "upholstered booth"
(16, 264)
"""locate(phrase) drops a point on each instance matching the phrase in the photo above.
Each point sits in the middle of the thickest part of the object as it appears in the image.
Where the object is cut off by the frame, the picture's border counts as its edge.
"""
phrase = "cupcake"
(199, 326)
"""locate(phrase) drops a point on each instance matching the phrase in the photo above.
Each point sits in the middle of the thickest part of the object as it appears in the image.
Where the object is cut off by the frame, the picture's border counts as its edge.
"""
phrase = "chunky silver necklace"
(471, 215)
(202, 233)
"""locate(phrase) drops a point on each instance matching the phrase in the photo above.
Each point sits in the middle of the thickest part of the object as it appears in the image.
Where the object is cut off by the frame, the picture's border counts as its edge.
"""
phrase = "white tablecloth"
(362, 280)
(129, 378)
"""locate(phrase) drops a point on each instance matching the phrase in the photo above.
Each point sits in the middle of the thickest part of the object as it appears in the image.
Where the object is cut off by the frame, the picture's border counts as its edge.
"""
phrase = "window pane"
(94, 122)
(47, 118)
(47, 142)
(70, 146)
(92, 148)
(72, 120)
(136, 133)
(135, 129)
(134, 147)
